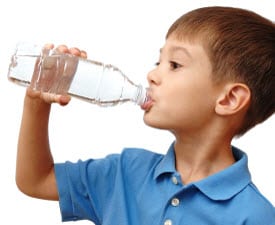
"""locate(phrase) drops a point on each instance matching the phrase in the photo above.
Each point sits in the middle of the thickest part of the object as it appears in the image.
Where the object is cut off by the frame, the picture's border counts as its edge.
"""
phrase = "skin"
(203, 117)
(34, 167)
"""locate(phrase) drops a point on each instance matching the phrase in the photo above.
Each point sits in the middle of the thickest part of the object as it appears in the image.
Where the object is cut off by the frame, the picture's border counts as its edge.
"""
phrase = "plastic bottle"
(48, 71)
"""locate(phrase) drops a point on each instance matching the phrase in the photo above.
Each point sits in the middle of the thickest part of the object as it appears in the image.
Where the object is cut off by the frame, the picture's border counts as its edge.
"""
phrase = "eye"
(157, 63)
(174, 65)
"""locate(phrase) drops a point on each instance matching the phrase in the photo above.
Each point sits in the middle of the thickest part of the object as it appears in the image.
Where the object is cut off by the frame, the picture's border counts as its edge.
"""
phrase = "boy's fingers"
(55, 98)
(62, 49)
(78, 52)
(75, 51)
(64, 99)
(83, 54)
(33, 93)
(51, 97)
(49, 46)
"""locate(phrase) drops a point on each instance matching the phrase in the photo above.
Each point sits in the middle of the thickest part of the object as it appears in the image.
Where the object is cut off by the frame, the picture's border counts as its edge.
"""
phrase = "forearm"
(35, 166)
(34, 170)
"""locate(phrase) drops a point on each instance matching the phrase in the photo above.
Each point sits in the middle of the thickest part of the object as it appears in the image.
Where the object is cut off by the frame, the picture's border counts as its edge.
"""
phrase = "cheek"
(165, 114)
(186, 105)
(177, 106)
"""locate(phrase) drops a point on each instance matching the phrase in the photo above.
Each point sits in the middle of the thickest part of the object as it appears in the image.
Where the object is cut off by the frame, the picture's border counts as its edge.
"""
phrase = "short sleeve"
(83, 187)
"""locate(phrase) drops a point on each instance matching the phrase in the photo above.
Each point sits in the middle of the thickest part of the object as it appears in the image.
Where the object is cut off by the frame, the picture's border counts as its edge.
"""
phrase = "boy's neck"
(195, 160)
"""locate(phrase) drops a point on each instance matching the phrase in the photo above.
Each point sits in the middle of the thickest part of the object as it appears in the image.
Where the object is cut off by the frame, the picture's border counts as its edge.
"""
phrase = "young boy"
(214, 80)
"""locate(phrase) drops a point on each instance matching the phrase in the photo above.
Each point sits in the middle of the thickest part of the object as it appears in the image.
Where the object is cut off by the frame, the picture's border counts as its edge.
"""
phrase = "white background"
(127, 34)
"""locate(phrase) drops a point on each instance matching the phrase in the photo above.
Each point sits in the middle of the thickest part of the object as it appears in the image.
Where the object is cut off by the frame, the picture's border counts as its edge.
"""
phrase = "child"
(214, 80)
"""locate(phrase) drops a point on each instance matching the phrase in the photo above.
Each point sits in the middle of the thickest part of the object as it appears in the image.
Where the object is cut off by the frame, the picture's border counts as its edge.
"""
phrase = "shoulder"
(139, 152)
(129, 161)
(135, 157)
(128, 158)
(259, 209)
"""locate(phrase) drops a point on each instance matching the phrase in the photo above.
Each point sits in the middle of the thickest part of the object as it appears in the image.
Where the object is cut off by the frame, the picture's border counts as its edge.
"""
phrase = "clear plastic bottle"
(48, 71)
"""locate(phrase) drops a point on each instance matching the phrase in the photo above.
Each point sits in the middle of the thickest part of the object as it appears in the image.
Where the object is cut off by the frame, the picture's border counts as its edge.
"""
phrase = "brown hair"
(241, 47)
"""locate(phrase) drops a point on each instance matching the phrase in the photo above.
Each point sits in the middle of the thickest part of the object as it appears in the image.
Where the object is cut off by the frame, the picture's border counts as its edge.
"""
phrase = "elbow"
(23, 187)
(43, 188)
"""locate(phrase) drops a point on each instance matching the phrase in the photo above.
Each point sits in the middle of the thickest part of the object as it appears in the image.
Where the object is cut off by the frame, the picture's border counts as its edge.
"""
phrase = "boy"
(214, 80)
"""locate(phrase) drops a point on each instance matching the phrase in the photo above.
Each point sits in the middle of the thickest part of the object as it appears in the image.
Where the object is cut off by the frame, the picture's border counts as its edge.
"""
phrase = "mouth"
(147, 104)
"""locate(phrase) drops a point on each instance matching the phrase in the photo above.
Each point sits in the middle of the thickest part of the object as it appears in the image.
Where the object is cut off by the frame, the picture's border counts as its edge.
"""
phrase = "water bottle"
(49, 71)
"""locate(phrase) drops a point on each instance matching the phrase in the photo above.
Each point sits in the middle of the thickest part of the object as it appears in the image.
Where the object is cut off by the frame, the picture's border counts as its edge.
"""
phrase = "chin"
(154, 123)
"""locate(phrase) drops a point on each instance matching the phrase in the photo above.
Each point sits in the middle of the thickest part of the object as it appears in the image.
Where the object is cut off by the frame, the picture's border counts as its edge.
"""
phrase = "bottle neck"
(141, 97)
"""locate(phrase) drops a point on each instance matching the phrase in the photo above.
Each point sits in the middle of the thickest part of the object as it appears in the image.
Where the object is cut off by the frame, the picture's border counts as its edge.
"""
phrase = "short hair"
(241, 47)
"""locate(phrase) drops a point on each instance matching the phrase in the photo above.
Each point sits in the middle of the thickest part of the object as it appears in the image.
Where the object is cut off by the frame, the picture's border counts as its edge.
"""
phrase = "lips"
(148, 103)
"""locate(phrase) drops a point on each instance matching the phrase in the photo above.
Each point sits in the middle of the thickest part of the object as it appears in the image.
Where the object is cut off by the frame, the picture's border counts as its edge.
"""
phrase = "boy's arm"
(35, 166)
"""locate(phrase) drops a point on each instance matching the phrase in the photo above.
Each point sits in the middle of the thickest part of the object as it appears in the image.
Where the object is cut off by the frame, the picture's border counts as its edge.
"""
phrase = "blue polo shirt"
(139, 187)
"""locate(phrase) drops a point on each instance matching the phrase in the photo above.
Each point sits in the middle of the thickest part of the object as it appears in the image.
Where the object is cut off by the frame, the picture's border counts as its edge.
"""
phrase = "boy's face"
(183, 94)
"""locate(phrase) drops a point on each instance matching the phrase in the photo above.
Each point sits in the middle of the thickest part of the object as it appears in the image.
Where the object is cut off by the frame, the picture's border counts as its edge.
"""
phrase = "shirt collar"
(167, 164)
(220, 186)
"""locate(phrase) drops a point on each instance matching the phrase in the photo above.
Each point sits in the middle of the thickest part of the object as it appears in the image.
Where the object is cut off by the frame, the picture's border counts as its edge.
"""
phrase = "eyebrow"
(178, 48)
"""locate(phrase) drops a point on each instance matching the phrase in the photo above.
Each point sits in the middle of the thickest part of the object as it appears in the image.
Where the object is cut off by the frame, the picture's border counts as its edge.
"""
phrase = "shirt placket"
(174, 202)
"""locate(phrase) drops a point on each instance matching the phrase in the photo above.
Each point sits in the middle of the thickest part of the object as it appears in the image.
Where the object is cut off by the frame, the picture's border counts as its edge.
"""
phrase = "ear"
(234, 98)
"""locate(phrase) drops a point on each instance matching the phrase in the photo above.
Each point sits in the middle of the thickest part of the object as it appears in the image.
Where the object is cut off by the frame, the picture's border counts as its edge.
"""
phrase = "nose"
(153, 77)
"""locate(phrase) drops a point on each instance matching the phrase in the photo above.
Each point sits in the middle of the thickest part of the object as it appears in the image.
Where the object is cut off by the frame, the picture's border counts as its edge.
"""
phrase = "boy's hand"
(62, 99)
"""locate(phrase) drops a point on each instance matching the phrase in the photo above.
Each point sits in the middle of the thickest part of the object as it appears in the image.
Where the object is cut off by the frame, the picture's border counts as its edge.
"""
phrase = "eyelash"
(173, 65)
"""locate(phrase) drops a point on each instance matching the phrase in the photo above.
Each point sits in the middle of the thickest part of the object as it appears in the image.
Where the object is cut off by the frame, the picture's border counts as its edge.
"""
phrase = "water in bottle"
(49, 71)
